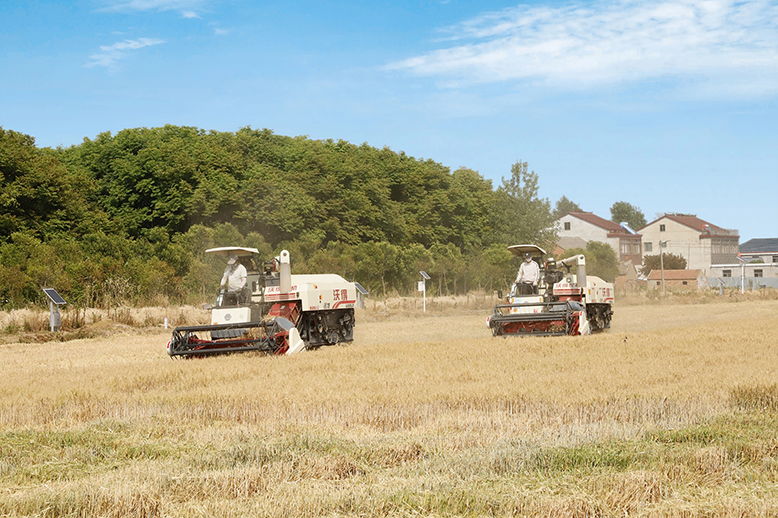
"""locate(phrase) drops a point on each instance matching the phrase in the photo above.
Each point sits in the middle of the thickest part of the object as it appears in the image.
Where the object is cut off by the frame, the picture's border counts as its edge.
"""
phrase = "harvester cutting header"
(261, 306)
(551, 298)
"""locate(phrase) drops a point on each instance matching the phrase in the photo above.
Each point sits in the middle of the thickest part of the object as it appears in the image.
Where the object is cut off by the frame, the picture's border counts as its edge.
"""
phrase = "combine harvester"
(276, 312)
(562, 303)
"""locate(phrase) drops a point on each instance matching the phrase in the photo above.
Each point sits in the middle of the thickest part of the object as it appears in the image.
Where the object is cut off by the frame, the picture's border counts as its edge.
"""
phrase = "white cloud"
(218, 30)
(110, 54)
(188, 8)
(727, 43)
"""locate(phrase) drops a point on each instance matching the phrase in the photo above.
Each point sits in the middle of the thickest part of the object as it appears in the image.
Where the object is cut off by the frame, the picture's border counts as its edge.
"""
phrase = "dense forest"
(126, 218)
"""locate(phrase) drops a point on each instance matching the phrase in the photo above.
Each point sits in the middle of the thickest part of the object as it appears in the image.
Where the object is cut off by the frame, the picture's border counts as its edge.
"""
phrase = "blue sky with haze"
(668, 105)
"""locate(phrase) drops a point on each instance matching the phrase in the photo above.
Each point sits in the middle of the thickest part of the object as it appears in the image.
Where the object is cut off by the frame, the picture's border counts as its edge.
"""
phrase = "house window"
(685, 283)
(657, 283)
(567, 225)
(661, 228)
(758, 273)
(647, 247)
(726, 273)
(775, 258)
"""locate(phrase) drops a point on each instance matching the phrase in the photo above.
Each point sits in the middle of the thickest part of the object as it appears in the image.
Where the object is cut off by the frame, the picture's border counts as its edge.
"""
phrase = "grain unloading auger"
(275, 312)
(561, 302)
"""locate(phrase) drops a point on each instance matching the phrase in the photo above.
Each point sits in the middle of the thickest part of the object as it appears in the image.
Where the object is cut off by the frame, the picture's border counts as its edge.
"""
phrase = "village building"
(701, 243)
(590, 227)
(677, 280)
(760, 250)
(756, 266)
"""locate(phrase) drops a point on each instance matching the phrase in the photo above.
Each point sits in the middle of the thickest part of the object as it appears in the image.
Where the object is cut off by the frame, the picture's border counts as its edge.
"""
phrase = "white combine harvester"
(565, 302)
(277, 312)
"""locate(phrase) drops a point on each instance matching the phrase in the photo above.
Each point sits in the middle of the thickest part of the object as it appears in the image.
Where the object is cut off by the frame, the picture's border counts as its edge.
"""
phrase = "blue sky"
(668, 105)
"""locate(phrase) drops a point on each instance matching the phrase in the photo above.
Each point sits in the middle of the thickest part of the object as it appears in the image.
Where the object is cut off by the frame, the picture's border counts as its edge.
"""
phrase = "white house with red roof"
(701, 243)
(590, 227)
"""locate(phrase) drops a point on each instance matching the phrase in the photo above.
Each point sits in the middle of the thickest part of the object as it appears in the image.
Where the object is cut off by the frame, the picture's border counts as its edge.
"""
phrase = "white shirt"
(529, 272)
(234, 277)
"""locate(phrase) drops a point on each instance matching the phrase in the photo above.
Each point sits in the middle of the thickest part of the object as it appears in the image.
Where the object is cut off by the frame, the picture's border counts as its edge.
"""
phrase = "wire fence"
(750, 284)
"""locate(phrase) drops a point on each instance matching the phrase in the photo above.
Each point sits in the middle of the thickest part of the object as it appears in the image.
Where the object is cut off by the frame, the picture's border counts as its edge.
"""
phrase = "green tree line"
(126, 218)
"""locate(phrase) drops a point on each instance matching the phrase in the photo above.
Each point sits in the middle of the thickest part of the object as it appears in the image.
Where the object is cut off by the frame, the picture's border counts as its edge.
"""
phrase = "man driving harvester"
(233, 281)
(527, 279)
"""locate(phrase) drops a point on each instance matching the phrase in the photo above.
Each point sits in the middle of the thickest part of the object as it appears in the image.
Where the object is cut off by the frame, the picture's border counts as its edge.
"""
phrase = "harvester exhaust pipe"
(580, 262)
(285, 280)
(582, 271)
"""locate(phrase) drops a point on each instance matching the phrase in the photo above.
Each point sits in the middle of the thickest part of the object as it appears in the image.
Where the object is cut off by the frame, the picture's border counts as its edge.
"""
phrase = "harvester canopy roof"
(520, 250)
(232, 250)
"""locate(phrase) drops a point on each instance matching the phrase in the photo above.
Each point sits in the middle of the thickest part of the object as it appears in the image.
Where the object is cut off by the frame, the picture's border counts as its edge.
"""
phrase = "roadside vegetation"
(671, 413)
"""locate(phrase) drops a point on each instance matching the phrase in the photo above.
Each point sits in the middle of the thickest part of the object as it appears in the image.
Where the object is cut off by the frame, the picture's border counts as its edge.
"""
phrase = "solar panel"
(424, 274)
(54, 296)
(360, 288)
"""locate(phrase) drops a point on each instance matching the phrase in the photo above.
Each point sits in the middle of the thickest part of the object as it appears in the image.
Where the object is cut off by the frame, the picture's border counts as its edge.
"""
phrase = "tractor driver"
(529, 273)
(233, 281)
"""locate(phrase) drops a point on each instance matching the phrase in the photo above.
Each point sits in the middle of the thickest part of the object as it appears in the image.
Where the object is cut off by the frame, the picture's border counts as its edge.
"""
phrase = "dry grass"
(671, 413)
(32, 325)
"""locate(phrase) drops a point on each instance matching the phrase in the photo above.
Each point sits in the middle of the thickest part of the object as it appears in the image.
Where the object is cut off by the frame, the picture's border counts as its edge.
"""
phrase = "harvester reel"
(269, 337)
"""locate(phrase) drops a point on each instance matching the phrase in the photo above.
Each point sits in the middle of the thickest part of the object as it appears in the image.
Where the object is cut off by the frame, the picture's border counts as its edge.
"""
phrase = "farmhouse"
(677, 280)
(590, 227)
(760, 250)
(702, 244)
(756, 268)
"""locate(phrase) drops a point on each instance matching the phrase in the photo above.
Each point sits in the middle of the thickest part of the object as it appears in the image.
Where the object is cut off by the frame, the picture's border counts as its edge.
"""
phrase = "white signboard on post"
(423, 287)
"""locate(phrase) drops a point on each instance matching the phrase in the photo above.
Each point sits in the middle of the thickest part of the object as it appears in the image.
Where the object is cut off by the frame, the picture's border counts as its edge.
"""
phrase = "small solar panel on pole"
(55, 301)
(361, 294)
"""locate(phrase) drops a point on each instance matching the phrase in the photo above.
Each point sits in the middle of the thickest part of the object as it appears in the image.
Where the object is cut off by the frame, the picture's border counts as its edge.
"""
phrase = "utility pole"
(662, 244)
(742, 274)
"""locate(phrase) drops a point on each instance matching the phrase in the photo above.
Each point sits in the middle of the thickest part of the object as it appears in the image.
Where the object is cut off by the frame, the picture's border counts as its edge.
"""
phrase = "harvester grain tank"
(565, 301)
(276, 312)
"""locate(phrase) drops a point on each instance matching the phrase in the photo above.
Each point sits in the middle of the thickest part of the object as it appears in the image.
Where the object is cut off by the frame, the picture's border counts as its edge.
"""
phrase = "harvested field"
(673, 412)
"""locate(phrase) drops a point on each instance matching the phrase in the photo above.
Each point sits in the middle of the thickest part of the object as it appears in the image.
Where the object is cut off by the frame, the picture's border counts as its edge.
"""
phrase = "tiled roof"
(592, 218)
(760, 246)
(700, 225)
(674, 275)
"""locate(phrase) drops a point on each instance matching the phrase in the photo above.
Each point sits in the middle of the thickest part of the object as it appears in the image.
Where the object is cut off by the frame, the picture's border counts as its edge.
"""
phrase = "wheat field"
(673, 412)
